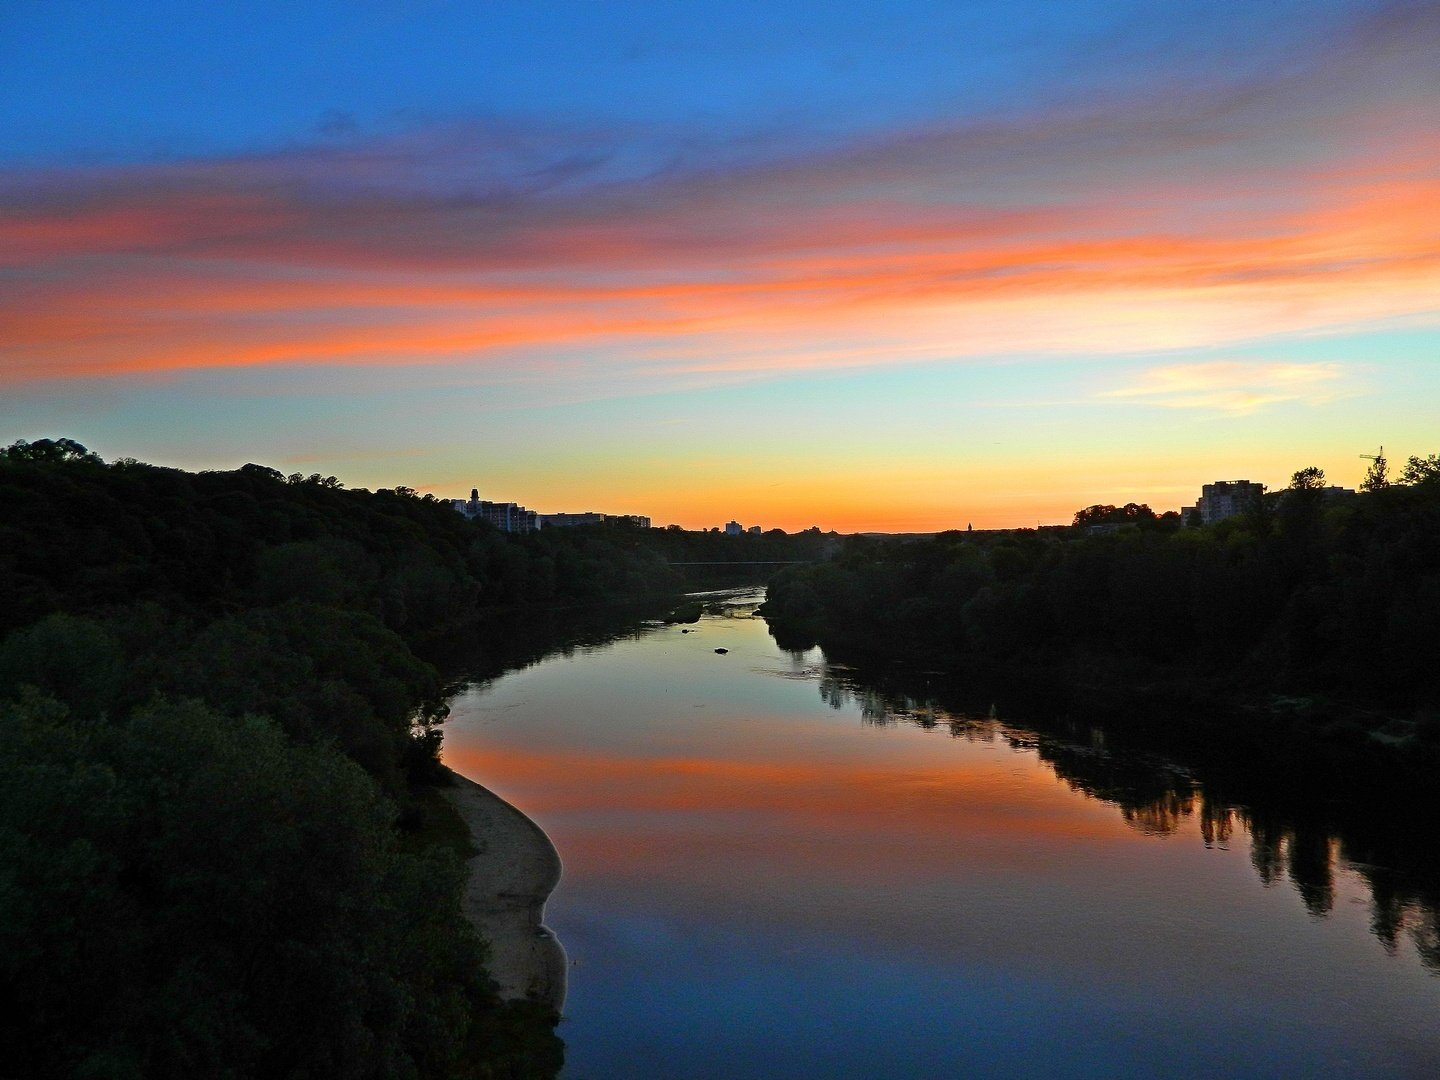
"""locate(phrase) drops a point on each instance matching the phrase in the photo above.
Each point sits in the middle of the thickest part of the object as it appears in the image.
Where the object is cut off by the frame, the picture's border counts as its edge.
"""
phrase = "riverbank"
(513, 873)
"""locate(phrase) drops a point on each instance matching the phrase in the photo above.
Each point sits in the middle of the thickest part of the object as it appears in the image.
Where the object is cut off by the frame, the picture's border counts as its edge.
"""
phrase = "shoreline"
(515, 870)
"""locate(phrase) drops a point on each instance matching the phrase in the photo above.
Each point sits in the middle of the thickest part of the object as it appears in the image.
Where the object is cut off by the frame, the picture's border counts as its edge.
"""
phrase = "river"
(772, 870)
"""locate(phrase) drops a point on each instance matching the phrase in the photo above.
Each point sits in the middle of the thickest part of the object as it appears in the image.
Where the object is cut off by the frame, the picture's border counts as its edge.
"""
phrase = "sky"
(899, 267)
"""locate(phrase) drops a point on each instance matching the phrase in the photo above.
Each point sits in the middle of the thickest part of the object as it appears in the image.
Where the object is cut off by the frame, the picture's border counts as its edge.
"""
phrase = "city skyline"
(904, 271)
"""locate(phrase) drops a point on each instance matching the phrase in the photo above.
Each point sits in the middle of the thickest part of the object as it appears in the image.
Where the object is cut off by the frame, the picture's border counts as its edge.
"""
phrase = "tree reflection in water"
(1159, 797)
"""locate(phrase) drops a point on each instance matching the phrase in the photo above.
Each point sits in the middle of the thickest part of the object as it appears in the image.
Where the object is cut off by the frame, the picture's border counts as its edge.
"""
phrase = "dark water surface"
(773, 871)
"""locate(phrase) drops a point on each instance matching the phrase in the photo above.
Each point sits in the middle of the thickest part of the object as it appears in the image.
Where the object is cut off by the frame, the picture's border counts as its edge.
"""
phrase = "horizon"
(1329, 481)
(906, 271)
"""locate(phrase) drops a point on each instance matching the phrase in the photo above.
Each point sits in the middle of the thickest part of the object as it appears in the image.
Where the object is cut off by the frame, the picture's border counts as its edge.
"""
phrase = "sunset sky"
(893, 267)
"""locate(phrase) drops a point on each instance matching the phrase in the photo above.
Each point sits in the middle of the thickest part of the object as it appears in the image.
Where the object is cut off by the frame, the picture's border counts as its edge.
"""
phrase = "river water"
(773, 871)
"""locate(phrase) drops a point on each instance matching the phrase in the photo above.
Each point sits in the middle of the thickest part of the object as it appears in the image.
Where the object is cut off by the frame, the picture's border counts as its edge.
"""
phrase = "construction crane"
(1375, 478)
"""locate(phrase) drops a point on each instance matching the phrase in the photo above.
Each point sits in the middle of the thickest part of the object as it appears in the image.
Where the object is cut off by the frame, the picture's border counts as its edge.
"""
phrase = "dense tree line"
(1327, 607)
(774, 545)
(77, 534)
(218, 746)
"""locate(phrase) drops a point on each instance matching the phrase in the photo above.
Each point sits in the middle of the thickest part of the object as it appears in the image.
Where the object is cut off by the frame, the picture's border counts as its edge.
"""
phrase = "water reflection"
(780, 866)
(1156, 797)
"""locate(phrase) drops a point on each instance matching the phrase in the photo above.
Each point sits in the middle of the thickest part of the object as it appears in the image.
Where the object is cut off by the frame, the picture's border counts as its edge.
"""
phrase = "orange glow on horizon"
(617, 328)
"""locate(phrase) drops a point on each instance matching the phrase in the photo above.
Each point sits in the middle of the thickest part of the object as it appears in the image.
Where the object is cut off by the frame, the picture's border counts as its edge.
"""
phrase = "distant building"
(507, 517)
(1222, 499)
(733, 528)
(754, 530)
(512, 517)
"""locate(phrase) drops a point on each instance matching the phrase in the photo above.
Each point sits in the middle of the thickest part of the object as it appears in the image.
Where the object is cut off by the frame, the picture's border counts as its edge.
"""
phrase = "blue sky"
(138, 82)
(942, 262)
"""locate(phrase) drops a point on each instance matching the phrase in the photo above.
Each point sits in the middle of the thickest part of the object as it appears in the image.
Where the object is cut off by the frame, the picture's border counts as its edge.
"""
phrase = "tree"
(1301, 508)
(1420, 470)
(48, 450)
(191, 894)
(71, 658)
(1105, 514)
(1093, 515)
(1260, 513)
(1377, 476)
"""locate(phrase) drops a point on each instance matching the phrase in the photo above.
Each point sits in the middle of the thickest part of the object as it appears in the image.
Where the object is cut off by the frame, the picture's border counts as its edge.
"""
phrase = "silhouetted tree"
(1420, 470)
(1300, 594)
(1377, 477)
(1104, 514)
(48, 450)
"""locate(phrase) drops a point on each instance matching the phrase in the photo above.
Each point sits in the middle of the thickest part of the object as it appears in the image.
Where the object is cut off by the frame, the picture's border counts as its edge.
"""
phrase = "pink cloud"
(1298, 204)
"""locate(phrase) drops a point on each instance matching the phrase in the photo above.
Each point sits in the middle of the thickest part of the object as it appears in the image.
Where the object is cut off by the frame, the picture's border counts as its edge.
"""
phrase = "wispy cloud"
(1234, 387)
(1295, 204)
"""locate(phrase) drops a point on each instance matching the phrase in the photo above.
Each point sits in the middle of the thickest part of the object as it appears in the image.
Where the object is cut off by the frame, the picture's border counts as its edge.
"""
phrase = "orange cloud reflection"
(618, 814)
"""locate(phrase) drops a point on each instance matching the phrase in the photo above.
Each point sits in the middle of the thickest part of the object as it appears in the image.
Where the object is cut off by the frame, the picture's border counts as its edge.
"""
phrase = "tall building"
(733, 528)
(1222, 499)
(507, 517)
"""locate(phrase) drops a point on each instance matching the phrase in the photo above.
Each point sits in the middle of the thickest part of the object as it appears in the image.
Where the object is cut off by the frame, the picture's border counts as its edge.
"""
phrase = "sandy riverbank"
(510, 879)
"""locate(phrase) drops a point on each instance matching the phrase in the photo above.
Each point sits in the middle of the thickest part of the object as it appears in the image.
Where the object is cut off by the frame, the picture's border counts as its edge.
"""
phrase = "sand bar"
(514, 872)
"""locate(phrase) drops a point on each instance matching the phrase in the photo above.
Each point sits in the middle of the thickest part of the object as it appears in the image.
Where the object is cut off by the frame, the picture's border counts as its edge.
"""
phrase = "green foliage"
(1310, 597)
(327, 675)
(1129, 514)
(83, 537)
(1420, 470)
(187, 894)
(217, 853)
(679, 545)
(73, 659)
(48, 450)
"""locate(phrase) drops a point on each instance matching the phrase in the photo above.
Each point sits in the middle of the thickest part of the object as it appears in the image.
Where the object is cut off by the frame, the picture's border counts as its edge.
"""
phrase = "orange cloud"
(1303, 205)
